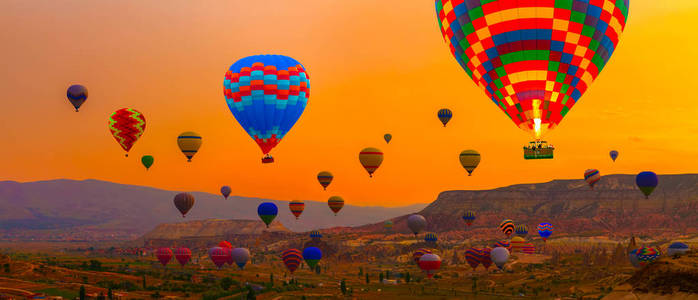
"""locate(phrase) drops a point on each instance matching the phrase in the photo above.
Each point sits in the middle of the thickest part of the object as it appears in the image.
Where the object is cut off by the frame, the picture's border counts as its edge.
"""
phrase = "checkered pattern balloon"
(533, 58)
(267, 94)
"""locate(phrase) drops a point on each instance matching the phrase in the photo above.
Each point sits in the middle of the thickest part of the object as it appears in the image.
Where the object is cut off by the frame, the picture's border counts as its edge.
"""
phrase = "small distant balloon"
(292, 259)
(371, 159)
(473, 256)
(147, 161)
(499, 256)
(418, 254)
(267, 211)
(614, 155)
(545, 230)
(485, 258)
(127, 126)
(225, 191)
(183, 255)
(507, 227)
(430, 238)
(296, 207)
(469, 159)
(335, 203)
(416, 223)
(240, 256)
(444, 115)
(677, 248)
(647, 181)
(189, 143)
(312, 256)
(164, 255)
(77, 95)
(647, 255)
(325, 178)
(592, 176)
(521, 230)
(430, 263)
(469, 217)
(219, 256)
(387, 137)
(184, 202)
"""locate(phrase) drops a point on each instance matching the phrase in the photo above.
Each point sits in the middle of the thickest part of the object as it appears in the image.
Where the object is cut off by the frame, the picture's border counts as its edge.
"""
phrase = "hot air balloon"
(312, 256)
(184, 202)
(430, 263)
(267, 211)
(387, 137)
(183, 255)
(418, 254)
(534, 60)
(371, 159)
(315, 235)
(517, 244)
(486, 258)
(416, 223)
(444, 115)
(507, 227)
(335, 203)
(503, 244)
(592, 176)
(126, 125)
(296, 207)
(469, 217)
(430, 238)
(292, 259)
(325, 178)
(388, 225)
(147, 161)
(225, 244)
(164, 255)
(267, 95)
(472, 257)
(77, 94)
(647, 255)
(677, 248)
(469, 159)
(225, 191)
(499, 256)
(528, 248)
(614, 155)
(545, 230)
(240, 256)
(189, 143)
(521, 230)
(646, 181)
(633, 258)
(219, 255)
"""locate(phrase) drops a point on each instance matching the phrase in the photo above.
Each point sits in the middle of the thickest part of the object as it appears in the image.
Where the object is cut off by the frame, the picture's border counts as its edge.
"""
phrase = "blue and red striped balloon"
(292, 259)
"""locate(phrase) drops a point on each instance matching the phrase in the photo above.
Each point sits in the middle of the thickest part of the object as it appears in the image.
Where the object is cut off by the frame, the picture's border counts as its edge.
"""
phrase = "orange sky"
(375, 67)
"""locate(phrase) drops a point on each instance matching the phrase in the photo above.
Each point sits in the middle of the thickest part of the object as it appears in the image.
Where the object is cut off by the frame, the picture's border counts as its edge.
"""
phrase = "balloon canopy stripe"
(533, 59)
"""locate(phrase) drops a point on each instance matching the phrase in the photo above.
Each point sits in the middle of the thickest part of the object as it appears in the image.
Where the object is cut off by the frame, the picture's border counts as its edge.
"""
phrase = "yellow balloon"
(469, 159)
(189, 142)
(371, 159)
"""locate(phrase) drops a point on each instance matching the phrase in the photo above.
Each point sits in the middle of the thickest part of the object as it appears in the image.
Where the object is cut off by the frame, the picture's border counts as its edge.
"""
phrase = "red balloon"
(164, 255)
(430, 263)
(183, 255)
(219, 256)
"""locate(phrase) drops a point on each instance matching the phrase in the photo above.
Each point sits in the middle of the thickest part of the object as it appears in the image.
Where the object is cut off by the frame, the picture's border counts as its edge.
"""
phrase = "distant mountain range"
(614, 207)
(93, 209)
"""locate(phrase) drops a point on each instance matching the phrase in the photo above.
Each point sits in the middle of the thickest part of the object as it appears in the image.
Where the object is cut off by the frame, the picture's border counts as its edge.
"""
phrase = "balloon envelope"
(677, 248)
(592, 176)
(189, 143)
(469, 217)
(312, 256)
(507, 227)
(77, 95)
(267, 211)
(335, 203)
(296, 207)
(164, 255)
(418, 254)
(469, 159)
(430, 263)
(647, 255)
(430, 237)
(225, 191)
(499, 256)
(473, 256)
(613, 154)
(184, 202)
(444, 115)
(267, 95)
(416, 223)
(387, 137)
(325, 178)
(147, 161)
(632, 256)
(219, 255)
(127, 126)
(486, 258)
(371, 159)
(240, 256)
(646, 181)
(533, 59)
(545, 230)
(292, 259)
(183, 255)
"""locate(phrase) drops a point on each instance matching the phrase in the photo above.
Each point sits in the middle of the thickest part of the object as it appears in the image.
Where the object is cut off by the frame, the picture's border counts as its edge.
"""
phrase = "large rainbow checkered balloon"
(533, 58)
(266, 94)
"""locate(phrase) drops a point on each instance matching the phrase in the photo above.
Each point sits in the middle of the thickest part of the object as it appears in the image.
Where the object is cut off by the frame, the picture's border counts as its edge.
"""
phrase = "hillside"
(614, 206)
(90, 210)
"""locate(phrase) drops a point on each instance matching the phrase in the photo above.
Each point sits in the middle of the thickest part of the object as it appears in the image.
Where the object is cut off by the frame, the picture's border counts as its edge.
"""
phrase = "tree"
(145, 286)
(110, 295)
(474, 288)
(407, 277)
(361, 271)
(226, 283)
(380, 277)
(82, 292)
(387, 274)
(271, 279)
(367, 281)
(317, 269)
(343, 287)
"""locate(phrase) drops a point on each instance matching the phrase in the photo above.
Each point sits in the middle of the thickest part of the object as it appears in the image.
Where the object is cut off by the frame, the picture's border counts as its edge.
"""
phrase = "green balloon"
(147, 161)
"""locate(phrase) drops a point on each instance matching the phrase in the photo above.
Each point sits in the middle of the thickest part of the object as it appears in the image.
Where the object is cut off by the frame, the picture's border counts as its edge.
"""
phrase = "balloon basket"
(267, 159)
(538, 150)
